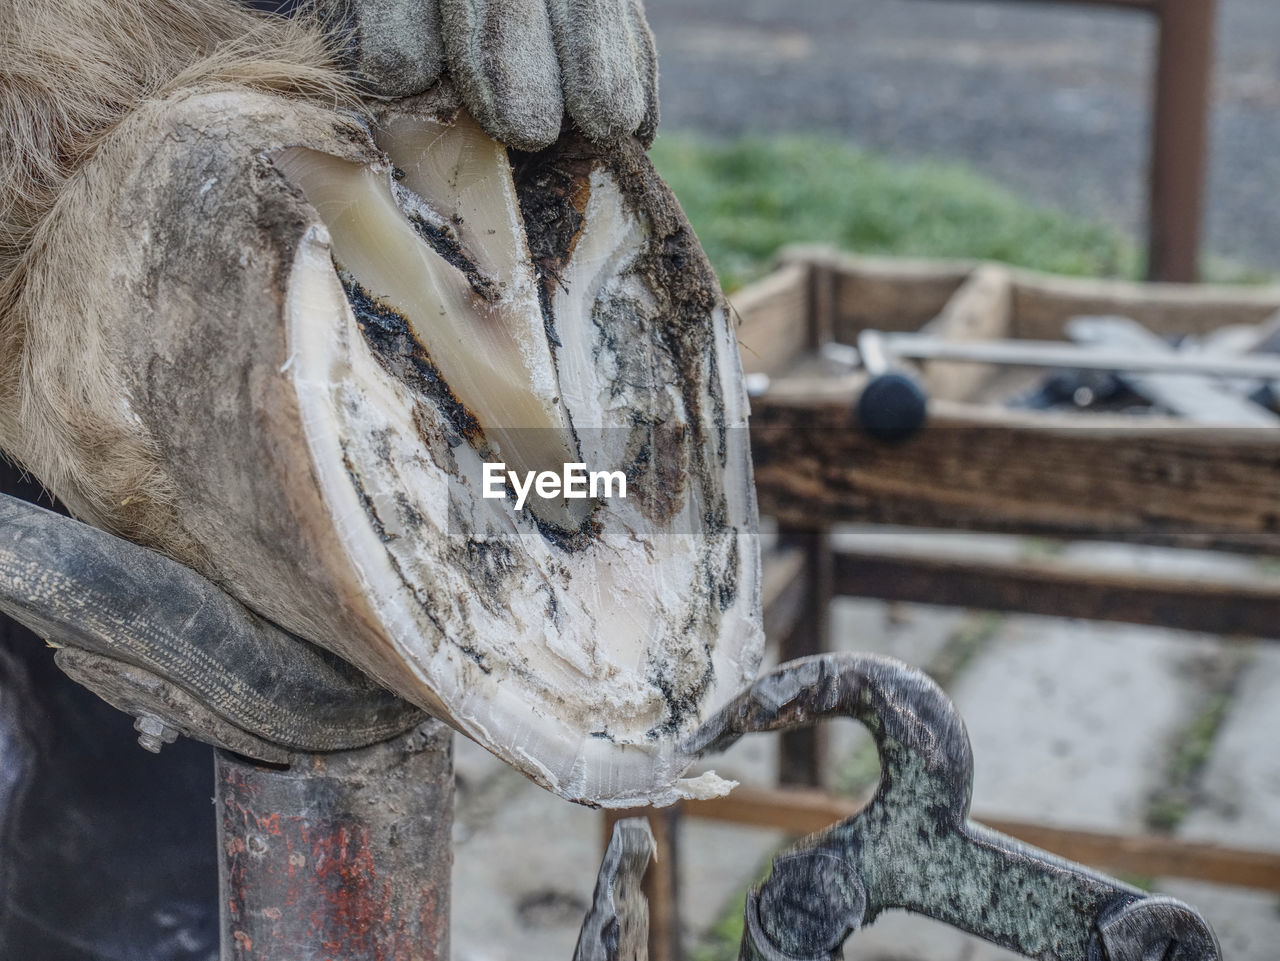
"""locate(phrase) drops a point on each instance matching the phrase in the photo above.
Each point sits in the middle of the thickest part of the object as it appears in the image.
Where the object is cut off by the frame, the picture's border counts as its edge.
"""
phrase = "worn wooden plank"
(773, 318)
(802, 811)
(1033, 472)
(903, 294)
(822, 304)
(1044, 303)
(981, 309)
(1059, 589)
(801, 753)
(883, 293)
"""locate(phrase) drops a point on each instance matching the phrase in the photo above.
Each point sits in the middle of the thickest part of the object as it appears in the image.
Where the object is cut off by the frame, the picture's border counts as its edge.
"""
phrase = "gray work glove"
(156, 640)
(519, 65)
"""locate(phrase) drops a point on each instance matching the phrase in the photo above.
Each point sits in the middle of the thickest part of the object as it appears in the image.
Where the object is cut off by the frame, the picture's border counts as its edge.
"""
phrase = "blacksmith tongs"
(914, 847)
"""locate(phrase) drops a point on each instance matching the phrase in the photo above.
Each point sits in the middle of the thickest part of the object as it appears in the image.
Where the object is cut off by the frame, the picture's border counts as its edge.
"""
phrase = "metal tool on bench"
(1193, 396)
(893, 403)
(913, 846)
(1052, 353)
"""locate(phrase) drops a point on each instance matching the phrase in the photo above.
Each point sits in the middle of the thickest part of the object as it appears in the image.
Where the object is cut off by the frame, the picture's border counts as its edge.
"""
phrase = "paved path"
(1049, 99)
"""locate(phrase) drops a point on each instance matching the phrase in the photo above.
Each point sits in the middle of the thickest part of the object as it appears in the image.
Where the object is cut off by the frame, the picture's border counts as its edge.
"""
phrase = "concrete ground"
(1049, 99)
(1072, 723)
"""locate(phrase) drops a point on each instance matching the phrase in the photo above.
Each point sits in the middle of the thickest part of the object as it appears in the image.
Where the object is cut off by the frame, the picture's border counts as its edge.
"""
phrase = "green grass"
(746, 198)
(1172, 800)
(1169, 805)
(720, 942)
(859, 772)
(962, 646)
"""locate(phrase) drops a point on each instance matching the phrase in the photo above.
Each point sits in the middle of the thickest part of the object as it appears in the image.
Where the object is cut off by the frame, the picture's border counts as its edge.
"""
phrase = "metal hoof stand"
(348, 855)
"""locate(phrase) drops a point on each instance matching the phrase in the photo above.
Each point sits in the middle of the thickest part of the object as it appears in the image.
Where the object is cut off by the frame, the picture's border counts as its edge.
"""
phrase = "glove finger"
(501, 56)
(602, 64)
(394, 46)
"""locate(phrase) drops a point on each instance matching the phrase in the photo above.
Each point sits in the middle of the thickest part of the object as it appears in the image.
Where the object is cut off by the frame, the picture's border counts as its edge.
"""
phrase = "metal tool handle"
(913, 845)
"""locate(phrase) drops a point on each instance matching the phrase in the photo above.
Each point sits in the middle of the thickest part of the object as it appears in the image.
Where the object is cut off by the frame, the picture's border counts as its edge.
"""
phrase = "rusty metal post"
(1179, 137)
(339, 856)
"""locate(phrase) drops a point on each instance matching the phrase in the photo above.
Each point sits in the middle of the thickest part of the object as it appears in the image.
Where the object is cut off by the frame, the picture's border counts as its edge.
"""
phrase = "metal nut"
(153, 733)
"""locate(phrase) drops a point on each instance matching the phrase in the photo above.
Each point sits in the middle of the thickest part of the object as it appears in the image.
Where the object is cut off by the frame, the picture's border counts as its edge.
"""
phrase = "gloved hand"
(157, 640)
(519, 65)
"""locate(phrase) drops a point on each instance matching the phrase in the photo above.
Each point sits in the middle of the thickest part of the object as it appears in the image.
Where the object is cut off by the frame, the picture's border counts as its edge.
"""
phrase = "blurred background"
(1015, 131)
